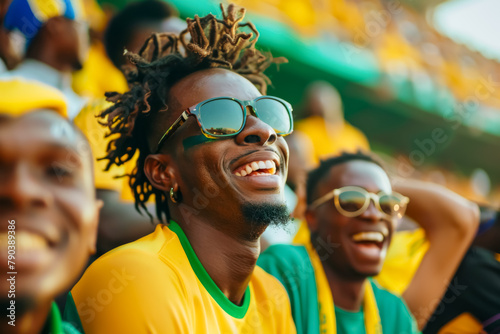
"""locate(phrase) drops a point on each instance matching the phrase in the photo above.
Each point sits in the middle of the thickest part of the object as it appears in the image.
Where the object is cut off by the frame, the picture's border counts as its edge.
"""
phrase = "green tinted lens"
(274, 113)
(221, 117)
(351, 200)
(390, 204)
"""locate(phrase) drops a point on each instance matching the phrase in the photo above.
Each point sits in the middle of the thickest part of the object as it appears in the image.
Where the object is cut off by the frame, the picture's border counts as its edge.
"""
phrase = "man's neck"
(347, 293)
(31, 321)
(229, 260)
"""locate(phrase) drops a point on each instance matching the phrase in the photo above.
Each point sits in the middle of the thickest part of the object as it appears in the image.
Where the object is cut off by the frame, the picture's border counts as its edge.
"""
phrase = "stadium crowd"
(148, 183)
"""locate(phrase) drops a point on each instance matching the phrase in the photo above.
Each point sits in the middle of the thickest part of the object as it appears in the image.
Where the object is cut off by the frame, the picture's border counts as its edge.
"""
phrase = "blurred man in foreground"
(48, 210)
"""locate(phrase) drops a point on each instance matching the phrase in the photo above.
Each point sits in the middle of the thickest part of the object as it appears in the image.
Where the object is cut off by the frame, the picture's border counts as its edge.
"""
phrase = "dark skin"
(323, 100)
(226, 244)
(449, 222)
(47, 188)
(348, 267)
(299, 146)
(61, 43)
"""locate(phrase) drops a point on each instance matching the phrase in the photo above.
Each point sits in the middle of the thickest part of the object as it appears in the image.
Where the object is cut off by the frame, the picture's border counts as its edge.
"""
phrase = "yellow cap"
(18, 96)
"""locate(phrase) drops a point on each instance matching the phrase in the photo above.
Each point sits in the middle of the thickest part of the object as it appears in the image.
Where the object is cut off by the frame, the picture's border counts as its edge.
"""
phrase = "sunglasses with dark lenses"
(226, 116)
(352, 201)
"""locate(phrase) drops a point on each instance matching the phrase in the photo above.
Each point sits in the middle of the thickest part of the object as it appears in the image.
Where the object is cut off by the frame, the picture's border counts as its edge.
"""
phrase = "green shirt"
(292, 267)
(55, 325)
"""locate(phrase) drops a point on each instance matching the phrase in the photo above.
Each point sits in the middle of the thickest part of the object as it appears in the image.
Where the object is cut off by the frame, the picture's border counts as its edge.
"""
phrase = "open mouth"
(33, 251)
(257, 168)
(26, 241)
(369, 239)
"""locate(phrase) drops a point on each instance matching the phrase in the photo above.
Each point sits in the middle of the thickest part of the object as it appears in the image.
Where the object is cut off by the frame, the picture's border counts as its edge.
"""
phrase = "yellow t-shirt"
(404, 256)
(158, 285)
(328, 141)
(98, 75)
(88, 123)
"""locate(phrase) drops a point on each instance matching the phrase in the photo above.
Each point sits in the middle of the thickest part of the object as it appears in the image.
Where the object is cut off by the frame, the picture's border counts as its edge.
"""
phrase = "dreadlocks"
(162, 61)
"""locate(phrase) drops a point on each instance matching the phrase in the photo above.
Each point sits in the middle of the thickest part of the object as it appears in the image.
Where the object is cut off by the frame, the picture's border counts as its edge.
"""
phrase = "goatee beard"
(260, 216)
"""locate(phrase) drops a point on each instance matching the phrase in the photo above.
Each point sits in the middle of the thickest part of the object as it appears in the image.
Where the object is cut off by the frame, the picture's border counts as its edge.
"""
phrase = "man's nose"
(256, 132)
(371, 213)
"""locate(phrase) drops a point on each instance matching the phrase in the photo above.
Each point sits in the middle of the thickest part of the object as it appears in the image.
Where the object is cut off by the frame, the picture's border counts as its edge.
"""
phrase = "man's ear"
(160, 172)
(311, 220)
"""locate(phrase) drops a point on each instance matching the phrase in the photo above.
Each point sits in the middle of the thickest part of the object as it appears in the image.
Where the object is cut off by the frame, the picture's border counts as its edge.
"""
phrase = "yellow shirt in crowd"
(404, 256)
(158, 285)
(328, 140)
(88, 122)
(98, 75)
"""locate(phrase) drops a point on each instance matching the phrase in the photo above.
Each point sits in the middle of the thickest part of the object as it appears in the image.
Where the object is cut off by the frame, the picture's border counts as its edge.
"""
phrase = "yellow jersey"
(328, 141)
(158, 285)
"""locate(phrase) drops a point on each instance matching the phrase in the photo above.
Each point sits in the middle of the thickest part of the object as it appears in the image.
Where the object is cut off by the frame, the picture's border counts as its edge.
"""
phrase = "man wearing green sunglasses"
(352, 214)
(218, 180)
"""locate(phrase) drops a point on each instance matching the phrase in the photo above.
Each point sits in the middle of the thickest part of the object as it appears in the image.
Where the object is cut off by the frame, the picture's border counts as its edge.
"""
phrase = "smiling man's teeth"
(368, 237)
(267, 167)
(25, 241)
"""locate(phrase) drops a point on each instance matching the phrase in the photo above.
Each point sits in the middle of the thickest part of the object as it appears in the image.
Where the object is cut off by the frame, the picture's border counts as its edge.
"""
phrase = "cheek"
(329, 226)
(205, 162)
(78, 210)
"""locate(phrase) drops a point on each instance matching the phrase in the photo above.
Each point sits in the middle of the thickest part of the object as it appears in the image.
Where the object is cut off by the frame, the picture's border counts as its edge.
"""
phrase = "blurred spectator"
(300, 162)
(56, 44)
(98, 74)
(128, 29)
(47, 202)
(325, 125)
(9, 58)
(119, 221)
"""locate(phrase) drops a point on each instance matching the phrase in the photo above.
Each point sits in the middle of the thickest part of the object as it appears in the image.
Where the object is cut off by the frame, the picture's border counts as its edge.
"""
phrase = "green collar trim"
(55, 321)
(233, 310)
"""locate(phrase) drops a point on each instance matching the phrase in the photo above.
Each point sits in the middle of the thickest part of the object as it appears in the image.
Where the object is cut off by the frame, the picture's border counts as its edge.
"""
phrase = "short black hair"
(317, 174)
(123, 25)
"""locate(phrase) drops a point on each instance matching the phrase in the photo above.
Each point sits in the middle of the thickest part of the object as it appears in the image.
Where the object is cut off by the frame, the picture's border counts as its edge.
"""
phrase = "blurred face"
(47, 198)
(210, 172)
(142, 32)
(360, 242)
(324, 100)
(300, 163)
(74, 41)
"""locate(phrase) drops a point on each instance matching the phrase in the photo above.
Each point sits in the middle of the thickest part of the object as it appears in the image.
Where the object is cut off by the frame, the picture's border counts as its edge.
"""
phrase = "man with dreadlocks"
(217, 179)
